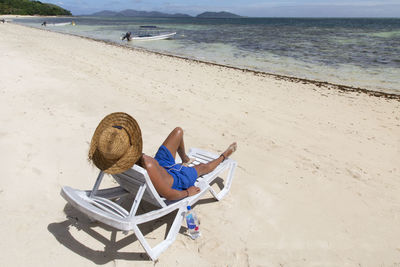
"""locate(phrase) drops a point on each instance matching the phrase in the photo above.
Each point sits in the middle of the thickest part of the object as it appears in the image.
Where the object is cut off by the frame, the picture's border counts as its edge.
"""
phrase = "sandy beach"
(318, 177)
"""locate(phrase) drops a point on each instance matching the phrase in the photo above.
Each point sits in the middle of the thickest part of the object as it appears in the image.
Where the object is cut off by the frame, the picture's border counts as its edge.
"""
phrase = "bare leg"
(174, 143)
(158, 175)
(210, 166)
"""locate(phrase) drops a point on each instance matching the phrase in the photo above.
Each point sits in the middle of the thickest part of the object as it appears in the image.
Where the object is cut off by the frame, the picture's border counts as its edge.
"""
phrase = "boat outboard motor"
(127, 36)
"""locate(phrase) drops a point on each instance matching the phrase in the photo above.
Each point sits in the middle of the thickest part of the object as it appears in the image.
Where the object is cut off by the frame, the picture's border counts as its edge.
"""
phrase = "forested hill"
(27, 7)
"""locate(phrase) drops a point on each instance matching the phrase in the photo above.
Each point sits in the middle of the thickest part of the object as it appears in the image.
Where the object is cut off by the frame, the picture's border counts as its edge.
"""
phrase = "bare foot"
(230, 150)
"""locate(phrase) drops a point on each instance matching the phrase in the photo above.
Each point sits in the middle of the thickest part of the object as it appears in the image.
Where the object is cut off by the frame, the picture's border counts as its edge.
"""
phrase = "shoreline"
(324, 84)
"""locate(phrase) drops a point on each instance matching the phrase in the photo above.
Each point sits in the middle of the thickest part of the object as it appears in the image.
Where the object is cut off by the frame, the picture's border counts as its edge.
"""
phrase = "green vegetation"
(28, 7)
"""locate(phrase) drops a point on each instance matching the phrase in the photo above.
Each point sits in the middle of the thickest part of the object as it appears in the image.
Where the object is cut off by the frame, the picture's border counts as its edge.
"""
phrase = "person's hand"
(193, 190)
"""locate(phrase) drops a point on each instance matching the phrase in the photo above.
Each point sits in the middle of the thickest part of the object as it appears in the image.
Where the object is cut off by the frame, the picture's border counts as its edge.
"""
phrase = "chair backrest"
(132, 179)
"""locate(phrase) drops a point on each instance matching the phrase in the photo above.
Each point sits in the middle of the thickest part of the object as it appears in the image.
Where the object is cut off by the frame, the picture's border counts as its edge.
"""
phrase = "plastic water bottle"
(192, 223)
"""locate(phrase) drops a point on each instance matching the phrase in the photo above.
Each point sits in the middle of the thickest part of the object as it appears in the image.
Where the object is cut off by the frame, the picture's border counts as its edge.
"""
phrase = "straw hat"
(116, 144)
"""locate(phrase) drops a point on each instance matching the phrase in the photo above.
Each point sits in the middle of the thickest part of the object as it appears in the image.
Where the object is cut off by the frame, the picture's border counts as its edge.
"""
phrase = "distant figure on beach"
(117, 145)
(127, 36)
(44, 23)
(3, 20)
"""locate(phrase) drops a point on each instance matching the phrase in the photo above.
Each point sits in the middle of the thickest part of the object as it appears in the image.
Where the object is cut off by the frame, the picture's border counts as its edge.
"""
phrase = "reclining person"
(117, 145)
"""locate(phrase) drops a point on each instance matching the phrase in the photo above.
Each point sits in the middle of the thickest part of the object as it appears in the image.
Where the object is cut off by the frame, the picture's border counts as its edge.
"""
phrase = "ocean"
(358, 52)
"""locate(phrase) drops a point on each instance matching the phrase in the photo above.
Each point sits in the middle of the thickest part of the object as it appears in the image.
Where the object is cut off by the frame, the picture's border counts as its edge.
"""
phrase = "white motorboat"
(148, 37)
(148, 33)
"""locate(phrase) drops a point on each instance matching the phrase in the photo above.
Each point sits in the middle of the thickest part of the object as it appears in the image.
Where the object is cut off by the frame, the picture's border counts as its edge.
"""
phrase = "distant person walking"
(44, 23)
(127, 36)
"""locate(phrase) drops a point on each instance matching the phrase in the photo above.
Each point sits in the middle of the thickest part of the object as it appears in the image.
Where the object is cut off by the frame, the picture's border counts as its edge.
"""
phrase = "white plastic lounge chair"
(103, 205)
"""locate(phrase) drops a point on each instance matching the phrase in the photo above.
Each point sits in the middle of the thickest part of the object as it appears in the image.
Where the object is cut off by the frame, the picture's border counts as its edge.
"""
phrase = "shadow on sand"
(81, 222)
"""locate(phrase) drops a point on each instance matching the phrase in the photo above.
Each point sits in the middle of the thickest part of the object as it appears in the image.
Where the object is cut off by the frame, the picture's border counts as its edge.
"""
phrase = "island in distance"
(156, 14)
(222, 14)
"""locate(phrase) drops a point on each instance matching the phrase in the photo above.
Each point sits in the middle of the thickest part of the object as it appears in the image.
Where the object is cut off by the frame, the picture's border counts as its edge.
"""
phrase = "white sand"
(318, 181)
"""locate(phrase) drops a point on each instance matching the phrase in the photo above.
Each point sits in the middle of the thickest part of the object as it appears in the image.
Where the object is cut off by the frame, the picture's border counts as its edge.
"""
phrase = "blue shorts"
(184, 177)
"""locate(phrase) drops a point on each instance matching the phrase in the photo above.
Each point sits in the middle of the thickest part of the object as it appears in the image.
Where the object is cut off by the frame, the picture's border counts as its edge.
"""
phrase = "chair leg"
(225, 190)
(155, 252)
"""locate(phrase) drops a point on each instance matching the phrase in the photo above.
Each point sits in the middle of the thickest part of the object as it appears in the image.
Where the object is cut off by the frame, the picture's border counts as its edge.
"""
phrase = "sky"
(251, 8)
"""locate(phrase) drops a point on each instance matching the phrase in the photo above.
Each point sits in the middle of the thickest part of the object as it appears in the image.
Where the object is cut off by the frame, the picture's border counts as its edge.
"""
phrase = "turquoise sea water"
(355, 52)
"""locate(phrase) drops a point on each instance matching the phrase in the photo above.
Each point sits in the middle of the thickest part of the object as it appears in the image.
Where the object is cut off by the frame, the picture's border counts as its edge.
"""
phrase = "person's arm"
(173, 194)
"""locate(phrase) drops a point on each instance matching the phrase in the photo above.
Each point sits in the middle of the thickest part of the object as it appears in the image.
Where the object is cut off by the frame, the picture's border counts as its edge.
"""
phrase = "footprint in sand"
(242, 258)
(354, 173)
(36, 171)
(210, 245)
